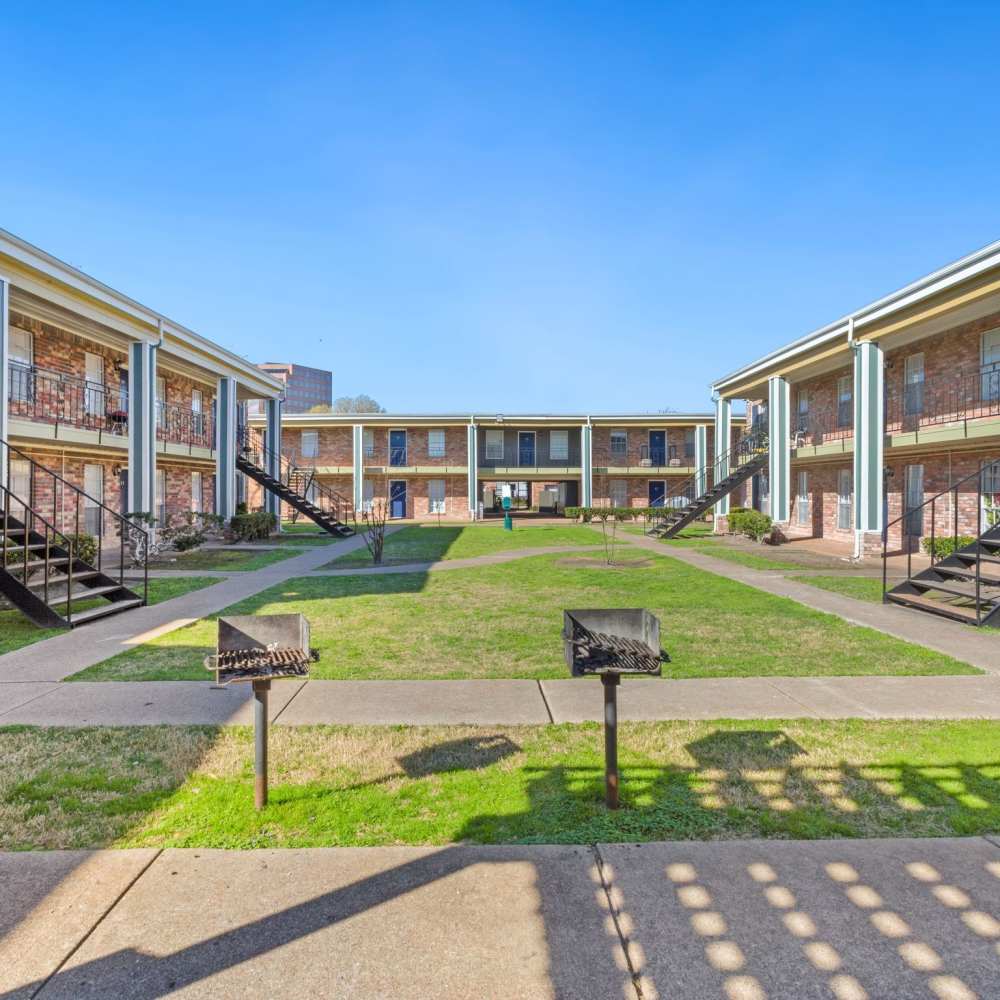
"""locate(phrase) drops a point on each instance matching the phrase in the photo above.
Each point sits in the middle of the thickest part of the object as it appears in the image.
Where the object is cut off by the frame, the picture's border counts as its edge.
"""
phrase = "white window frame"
(161, 399)
(367, 495)
(197, 494)
(368, 442)
(93, 497)
(437, 445)
(93, 388)
(845, 499)
(803, 500)
(312, 452)
(563, 454)
(22, 362)
(160, 500)
(493, 437)
(436, 504)
(619, 487)
(622, 434)
(20, 479)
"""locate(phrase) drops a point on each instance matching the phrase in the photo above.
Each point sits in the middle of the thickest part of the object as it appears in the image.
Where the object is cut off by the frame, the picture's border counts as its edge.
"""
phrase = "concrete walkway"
(69, 652)
(499, 702)
(783, 920)
(978, 647)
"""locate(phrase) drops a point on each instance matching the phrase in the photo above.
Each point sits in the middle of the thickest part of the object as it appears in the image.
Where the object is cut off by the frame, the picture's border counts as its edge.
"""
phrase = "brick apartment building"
(114, 398)
(874, 414)
(458, 465)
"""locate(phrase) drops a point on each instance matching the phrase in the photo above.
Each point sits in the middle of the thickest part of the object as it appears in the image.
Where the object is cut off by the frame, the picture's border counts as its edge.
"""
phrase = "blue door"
(397, 498)
(657, 491)
(526, 448)
(397, 448)
(657, 449)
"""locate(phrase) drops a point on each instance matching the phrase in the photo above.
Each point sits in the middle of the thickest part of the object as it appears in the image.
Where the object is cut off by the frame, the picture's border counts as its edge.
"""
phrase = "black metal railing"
(654, 456)
(182, 425)
(52, 501)
(913, 525)
(823, 425)
(49, 397)
(959, 396)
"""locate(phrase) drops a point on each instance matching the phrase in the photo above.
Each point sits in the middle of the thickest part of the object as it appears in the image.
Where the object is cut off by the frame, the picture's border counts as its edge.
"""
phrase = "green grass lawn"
(863, 588)
(700, 537)
(193, 787)
(228, 560)
(505, 621)
(17, 631)
(429, 543)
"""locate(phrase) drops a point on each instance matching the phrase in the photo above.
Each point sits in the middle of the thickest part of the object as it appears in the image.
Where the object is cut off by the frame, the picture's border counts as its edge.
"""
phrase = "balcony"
(823, 426)
(58, 400)
(963, 396)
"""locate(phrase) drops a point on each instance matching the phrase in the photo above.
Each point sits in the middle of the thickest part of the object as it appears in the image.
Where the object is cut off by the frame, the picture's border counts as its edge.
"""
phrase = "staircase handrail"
(127, 528)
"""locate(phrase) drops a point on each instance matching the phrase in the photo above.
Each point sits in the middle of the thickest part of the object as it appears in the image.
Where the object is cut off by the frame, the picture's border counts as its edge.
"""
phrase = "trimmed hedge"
(252, 527)
(943, 547)
(751, 523)
(618, 513)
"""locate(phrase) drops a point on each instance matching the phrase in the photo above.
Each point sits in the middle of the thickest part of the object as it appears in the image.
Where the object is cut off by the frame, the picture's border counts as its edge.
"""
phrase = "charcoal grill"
(258, 649)
(607, 643)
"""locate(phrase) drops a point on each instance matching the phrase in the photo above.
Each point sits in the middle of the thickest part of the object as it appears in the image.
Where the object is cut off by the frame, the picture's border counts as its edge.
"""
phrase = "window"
(161, 498)
(619, 493)
(367, 495)
(802, 411)
(368, 437)
(913, 388)
(991, 495)
(310, 444)
(845, 396)
(689, 443)
(914, 499)
(94, 391)
(196, 495)
(20, 479)
(197, 419)
(802, 502)
(93, 487)
(435, 444)
(619, 443)
(435, 496)
(989, 360)
(494, 446)
(559, 446)
(19, 348)
(161, 399)
(845, 498)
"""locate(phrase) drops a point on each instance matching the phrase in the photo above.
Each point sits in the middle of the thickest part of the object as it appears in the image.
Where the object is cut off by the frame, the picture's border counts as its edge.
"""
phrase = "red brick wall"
(638, 438)
(822, 499)
(336, 445)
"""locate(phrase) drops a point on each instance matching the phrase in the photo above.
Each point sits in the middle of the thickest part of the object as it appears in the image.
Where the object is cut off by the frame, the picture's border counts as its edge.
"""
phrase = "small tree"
(374, 516)
(608, 515)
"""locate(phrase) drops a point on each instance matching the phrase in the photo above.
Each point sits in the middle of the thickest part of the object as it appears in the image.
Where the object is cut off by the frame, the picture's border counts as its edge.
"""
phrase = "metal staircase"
(964, 585)
(747, 457)
(295, 485)
(41, 572)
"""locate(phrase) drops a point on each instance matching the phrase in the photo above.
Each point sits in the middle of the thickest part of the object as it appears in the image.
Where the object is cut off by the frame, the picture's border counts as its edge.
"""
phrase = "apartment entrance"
(397, 498)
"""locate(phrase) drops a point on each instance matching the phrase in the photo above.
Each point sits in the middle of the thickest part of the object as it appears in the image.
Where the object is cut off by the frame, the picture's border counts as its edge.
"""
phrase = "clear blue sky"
(503, 206)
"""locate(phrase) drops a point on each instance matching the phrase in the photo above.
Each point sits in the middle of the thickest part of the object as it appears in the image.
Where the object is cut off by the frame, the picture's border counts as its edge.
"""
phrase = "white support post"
(358, 460)
(723, 434)
(869, 442)
(700, 460)
(4, 376)
(142, 428)
(780, 447)
(272, 410)
(472, 458)
(587, 466)
(225, 448)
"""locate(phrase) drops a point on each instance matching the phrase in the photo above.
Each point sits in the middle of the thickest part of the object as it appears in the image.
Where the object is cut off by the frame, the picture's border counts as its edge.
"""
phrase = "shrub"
(943, 547)
(751, 523)
(192, 531)
(84, 547)
(252, 527)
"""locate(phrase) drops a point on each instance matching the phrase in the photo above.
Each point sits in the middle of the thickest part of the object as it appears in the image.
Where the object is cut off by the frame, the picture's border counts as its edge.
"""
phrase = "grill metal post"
(260, 690)
(610, 684)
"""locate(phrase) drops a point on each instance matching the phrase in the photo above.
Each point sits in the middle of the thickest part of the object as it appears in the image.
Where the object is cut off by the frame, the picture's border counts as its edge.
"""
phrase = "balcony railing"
(823, 426)
(961, 396)
(53, 398)
(47, 397)
(397, 457)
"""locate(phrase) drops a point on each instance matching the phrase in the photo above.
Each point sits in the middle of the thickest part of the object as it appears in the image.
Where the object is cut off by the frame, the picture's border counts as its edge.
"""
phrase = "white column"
(272, 412)
(472, 458)
(780, 447)
(4, 375)
(587, 466)
(869, 439)
(225, 448)
(358, 460)
(142, 428)
(723, 434)
(700, 460)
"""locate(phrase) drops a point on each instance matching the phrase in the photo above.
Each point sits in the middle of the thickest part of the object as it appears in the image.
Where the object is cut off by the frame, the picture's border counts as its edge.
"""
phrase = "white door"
(845, 497)
(94, 392)
(990, 364)
(93, 486)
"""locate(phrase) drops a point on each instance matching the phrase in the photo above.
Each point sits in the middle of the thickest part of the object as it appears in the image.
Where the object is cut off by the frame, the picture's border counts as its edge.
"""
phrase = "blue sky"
(537, 206)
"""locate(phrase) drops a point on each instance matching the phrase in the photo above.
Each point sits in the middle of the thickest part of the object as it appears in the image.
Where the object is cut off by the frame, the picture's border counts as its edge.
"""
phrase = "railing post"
(933, 544)
(979, 547)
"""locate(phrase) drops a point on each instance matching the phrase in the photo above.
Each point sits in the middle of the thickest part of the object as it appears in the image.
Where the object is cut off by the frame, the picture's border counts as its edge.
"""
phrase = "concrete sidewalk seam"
(97, 923)
(545, 702)
(622, 939)
(784, 694)
(29, 701)
(298, 691)
(995, 841)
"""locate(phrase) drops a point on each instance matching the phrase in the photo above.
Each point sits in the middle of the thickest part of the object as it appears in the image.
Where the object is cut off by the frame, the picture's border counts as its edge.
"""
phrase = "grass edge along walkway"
(345, 785)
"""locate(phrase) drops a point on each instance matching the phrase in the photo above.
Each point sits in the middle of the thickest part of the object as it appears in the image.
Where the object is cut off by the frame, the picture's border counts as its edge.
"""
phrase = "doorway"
(657, 492)
(397, 498)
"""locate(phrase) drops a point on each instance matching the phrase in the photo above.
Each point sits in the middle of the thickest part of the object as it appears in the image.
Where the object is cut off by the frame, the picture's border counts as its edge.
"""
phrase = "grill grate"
(597, 651)
(253, 664)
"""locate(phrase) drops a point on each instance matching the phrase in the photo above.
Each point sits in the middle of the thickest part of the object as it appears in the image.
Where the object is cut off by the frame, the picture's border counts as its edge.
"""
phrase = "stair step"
(103, 610)
(62, 577)
(987, 594)
(86, 593)
(988, 575)
(922, 603)
(33, 564)
(971, 557)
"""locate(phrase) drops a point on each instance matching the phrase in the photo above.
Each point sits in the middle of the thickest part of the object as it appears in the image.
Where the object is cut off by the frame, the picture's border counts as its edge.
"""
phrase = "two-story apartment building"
(117, 400)
(874, 414)
(459, 465)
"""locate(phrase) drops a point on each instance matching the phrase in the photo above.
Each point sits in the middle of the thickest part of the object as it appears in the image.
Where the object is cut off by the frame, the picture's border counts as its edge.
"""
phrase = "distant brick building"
(305, 387)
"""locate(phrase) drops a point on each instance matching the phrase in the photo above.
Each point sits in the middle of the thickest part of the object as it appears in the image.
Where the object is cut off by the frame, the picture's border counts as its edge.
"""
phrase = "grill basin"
(612, 641)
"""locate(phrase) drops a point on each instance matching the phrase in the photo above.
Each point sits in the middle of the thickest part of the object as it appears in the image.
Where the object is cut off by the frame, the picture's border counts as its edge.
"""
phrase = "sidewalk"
(499, 702)
(980, 648)
(69, 652)
(783, 920)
